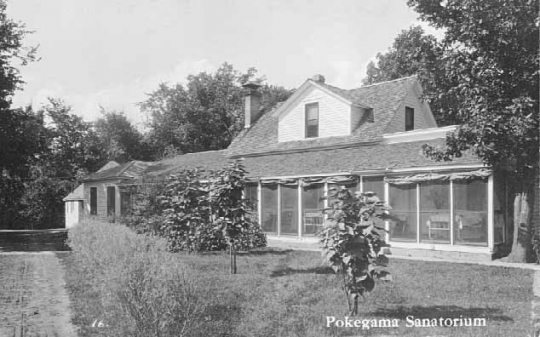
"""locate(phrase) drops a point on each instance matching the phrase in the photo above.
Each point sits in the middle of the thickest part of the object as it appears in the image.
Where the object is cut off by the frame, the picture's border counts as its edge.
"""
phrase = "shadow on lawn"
(291, 271)
(446, 311)
(33, 240)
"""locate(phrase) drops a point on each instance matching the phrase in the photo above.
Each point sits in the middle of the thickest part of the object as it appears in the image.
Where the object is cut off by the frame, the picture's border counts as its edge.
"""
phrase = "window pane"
(312, 208)
(435, 212)
(374, 184)
(251, 196)
(269, 212)
(409, 119)
(312, 112)
(403, 202)
(289, 209)
(470, 212)
(312, 120)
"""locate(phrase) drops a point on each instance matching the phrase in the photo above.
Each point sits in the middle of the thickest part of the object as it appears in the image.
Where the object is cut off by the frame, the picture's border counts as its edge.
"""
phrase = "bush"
(144, 290)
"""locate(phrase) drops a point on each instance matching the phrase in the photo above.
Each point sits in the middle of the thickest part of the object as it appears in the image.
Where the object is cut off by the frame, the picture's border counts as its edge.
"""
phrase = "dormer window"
(409, 118)
(312, 120)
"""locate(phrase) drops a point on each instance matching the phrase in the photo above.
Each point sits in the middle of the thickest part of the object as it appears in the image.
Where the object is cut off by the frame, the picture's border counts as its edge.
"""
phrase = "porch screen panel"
(111, 201)
(269, 196)
(252, 199)
(312, 208)
(470, 212)
(435, 212)
(374, 184)
(289, 209)
(404, 212)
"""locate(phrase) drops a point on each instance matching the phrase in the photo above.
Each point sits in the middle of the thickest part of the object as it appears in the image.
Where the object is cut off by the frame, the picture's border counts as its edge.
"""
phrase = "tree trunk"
(521, 241)
(232, 253)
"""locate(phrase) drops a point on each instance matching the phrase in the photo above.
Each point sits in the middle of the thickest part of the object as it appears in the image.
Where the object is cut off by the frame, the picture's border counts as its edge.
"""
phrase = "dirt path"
(33, 300)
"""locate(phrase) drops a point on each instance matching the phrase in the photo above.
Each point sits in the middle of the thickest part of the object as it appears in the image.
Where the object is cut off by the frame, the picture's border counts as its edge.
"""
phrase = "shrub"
(144, 290)
(352, 238)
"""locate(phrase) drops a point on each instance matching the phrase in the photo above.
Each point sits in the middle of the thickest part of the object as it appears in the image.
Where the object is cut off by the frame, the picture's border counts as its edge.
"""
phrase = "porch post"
(259, 202)
(386, 201)
(490, 222)
(451, 224)
(300, 210)
(418, 228)
(279, 209)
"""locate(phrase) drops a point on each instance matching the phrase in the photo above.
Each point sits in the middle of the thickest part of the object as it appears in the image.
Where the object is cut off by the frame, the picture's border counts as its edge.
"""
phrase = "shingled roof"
(208, 160)
(384, 98)
(374, 157)
(130, 170)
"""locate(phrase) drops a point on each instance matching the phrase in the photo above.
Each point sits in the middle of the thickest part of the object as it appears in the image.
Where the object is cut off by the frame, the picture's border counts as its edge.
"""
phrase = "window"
(93, 200)
(404, 212)
(269, 212)
(409, 119)
(111, 200)
(435, 212)
(375, 185)
(471, 212)
(125, 201)
(312, 120)
(251, 195)
(289, 210)
(312, 208)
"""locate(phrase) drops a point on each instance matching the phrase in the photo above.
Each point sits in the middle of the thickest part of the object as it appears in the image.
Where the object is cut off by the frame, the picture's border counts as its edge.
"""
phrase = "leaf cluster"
(352, 239)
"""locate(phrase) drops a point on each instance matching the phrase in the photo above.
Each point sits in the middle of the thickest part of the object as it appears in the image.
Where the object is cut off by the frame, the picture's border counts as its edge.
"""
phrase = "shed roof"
(374, 157)
(130, 170)
(207, 160)
(77, 194)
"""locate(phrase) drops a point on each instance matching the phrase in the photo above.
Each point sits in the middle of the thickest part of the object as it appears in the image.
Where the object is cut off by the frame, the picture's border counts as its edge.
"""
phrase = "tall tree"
(491, 62)
(20, 129)
(74, 148)
(120, 139)
(205, 114)
(416, 53)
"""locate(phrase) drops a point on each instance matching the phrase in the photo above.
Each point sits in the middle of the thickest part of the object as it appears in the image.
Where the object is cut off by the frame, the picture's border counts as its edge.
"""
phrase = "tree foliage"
(74, 148)
(120, 139)
(491, 62)
(205, 114)
(352, 238)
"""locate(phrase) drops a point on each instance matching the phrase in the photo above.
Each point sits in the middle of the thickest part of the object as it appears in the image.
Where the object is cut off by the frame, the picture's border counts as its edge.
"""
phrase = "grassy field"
(291, 294)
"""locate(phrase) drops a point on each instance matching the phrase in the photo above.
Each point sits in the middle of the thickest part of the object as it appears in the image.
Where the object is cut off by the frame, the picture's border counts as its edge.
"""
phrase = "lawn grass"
(291, 294)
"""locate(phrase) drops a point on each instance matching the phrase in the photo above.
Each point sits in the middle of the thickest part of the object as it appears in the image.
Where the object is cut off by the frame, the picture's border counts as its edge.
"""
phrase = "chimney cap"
(251, 85)
(318, 78)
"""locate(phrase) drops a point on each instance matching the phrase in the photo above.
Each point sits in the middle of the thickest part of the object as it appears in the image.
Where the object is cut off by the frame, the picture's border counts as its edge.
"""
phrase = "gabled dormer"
(317, 110)
(319, 115)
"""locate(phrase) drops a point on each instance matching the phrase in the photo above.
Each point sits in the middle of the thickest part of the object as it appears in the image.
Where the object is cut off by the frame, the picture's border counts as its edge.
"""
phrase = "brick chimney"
(318, 78)
(252, 103)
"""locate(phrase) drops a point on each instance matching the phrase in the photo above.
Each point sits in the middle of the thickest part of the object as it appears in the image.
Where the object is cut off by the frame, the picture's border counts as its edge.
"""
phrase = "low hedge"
(144, 289)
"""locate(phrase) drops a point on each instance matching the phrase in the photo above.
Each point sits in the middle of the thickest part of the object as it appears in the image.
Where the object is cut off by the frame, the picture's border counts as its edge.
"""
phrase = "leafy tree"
(205, 114)
(20, 129)
(416, 53)
(120, 139)
(42, 204)
(11, 50)
(228, 206)
(352, 240)
(412, 52)
(491, 61)
(74, 148)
